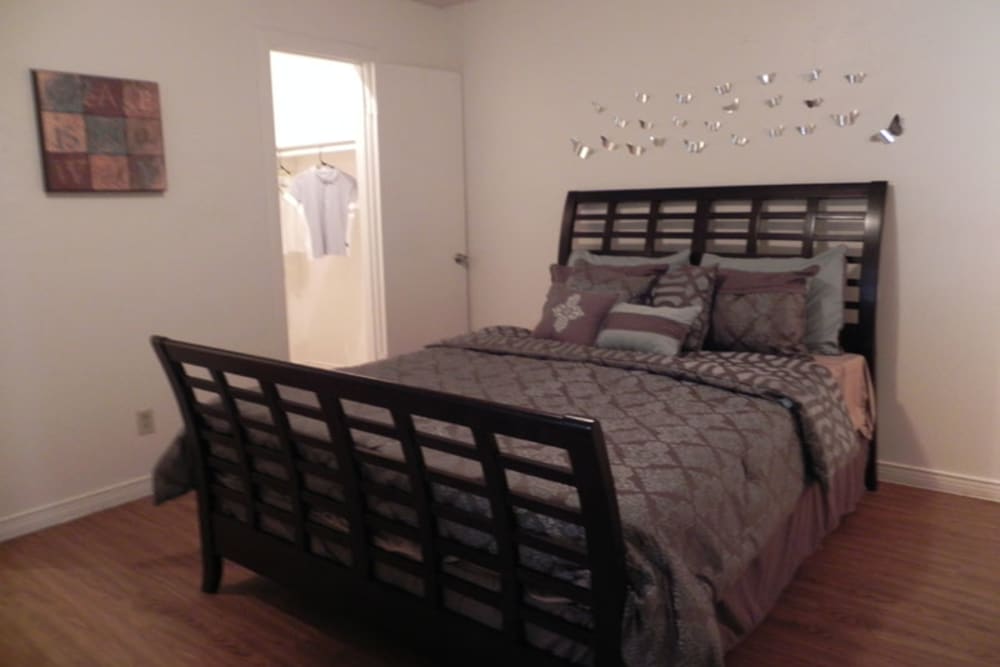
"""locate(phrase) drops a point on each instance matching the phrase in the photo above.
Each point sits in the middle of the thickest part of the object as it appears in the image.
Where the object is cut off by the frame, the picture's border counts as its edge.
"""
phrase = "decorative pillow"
(688, 286)
(630, 284)
(573, 316)
(761, 312)
(646, 329)
(578, 257)
(824, 300)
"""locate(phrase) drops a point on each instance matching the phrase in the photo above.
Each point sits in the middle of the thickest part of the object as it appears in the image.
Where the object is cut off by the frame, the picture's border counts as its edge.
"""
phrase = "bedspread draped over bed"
(709, 453)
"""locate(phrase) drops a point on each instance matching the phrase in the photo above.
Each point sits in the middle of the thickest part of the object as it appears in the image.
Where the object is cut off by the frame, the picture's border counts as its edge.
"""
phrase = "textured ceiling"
(441, 3)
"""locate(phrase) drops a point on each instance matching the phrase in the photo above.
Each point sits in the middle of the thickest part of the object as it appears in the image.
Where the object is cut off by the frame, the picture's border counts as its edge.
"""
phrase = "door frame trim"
(369, 210)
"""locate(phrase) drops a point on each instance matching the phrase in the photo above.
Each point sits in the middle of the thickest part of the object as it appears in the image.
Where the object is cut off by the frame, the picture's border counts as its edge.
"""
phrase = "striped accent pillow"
(646, 328)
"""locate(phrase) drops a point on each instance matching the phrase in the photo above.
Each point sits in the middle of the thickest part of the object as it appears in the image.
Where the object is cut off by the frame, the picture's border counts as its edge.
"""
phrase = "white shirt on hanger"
(294, 228)
(327, 196)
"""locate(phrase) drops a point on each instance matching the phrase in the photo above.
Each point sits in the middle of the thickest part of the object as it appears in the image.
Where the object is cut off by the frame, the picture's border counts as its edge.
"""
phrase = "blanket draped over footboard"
(708, 453)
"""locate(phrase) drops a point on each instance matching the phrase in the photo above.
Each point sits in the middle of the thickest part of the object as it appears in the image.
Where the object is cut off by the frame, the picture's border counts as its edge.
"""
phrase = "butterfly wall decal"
(891, 133)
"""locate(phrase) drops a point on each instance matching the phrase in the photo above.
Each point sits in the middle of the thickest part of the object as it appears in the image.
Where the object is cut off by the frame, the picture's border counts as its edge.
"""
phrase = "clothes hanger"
(284, 169)
(323, 162)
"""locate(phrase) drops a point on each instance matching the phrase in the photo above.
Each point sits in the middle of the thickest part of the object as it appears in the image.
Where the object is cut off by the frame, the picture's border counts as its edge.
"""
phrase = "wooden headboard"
(798, 220)
(744, 221)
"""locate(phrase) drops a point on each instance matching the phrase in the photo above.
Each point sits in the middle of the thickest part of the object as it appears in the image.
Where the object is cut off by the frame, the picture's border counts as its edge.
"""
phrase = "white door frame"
(369, 194)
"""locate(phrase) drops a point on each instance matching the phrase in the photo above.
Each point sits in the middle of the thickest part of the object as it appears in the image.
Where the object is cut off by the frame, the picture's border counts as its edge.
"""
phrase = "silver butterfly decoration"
(581, 150)
(845, 119)
(694, 146)
(891, 133)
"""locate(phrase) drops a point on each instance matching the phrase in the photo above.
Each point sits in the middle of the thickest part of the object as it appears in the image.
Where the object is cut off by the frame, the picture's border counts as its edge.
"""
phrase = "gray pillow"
(666, 261)
(824, 298)
(631, 283)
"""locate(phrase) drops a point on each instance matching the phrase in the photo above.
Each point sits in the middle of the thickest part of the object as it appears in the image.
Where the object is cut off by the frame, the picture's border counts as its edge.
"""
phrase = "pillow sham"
(824, 298)
(761, 312)
(631, 284)
(688, 286)
(573, 316)
(578, 257)
(646, 328)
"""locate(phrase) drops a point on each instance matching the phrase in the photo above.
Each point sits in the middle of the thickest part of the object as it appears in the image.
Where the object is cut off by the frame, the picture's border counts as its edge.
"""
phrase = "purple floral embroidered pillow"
(761, 312)
(630, 283)
(688, 286)
(573, 316)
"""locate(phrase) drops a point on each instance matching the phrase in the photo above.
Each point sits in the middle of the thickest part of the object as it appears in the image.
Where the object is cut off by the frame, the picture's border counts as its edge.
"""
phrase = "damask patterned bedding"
(709, 454)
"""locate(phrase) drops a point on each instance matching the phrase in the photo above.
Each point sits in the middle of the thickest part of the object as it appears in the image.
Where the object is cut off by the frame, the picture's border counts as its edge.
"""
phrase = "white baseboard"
(72, 508)
(946, 482)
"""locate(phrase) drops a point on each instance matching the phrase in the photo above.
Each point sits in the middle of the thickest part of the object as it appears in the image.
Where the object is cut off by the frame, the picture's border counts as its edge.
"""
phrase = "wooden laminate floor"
(912, 578)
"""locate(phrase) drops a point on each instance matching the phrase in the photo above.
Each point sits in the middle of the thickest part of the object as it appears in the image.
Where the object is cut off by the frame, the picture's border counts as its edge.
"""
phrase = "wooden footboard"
(433, 587)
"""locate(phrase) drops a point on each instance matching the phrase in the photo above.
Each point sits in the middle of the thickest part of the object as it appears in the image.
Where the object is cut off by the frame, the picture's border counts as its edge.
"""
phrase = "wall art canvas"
(99, 134)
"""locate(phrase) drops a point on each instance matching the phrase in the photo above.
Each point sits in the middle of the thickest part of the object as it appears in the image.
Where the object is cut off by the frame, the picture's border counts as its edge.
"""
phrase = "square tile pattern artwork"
(99, 134)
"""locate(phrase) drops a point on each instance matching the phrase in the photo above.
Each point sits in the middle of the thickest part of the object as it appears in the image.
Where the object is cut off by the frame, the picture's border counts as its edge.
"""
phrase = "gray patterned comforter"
(709, 453)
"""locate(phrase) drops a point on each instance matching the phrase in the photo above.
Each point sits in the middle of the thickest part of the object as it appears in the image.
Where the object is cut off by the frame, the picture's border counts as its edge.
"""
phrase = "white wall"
(532, 67)
(85, 279)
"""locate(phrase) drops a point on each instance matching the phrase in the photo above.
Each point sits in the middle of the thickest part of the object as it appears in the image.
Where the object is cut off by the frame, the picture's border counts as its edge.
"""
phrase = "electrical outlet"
(144, 423)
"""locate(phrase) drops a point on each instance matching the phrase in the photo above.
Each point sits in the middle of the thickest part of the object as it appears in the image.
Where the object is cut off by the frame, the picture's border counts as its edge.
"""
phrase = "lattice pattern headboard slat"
(744, 221)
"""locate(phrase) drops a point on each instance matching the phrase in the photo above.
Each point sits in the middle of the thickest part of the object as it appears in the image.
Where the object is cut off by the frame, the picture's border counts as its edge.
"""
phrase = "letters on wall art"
(99, 134)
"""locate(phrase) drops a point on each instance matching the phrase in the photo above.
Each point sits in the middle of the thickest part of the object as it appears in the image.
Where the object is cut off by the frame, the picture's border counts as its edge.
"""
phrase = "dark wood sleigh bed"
(743, 221)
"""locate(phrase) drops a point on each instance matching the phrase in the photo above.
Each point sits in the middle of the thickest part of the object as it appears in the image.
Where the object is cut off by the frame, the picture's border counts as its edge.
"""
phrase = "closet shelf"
(308, 149)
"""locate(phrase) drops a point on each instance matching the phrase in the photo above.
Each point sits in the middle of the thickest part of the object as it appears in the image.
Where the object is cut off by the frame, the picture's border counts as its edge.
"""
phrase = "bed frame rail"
(266, 504)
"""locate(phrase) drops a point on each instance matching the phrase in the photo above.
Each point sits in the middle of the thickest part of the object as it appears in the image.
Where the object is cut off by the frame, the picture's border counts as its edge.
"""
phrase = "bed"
(508, 498)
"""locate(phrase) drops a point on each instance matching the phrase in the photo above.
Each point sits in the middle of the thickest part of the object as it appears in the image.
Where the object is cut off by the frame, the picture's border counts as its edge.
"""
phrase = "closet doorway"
(327, 244)
(398, 131)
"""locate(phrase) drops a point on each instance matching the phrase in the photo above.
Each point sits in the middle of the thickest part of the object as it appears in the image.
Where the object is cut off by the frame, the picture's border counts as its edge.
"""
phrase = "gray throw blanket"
(709, 453)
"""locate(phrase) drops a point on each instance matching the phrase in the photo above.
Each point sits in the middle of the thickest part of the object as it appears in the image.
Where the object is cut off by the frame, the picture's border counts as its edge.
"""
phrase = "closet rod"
(315, 148)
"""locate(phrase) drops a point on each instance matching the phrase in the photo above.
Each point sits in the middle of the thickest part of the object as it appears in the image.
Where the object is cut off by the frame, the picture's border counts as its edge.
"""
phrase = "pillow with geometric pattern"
(761, 312)
(688, 286)
(824, 298)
